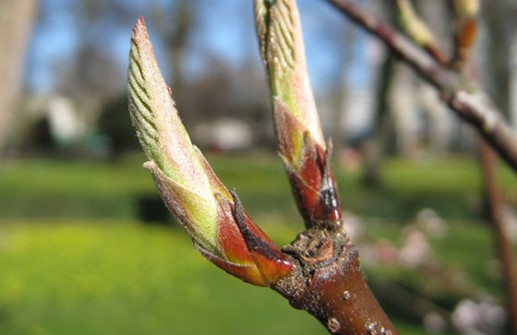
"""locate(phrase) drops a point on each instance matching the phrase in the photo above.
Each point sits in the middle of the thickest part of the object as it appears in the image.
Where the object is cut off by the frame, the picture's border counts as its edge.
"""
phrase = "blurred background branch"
(464, 97)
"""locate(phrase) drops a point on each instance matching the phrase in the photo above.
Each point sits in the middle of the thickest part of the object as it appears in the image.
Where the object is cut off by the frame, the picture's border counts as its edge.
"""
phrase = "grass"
(450, 186)
(44, 188)
(98, 190)
(122, 277)
(76, 259)
(126, 278)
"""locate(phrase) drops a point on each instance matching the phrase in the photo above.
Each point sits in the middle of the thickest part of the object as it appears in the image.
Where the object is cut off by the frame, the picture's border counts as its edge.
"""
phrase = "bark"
(16, 19)
(462, 95)
(328, 283)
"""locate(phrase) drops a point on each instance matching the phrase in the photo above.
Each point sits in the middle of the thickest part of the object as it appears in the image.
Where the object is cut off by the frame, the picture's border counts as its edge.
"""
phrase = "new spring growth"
(466, 7)
(281, 47)
(466, 28)
(417, 30)
(213, 216)
(299, 136)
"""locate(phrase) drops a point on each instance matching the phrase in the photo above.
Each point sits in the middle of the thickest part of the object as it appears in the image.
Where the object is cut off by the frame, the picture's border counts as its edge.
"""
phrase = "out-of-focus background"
(86, 246)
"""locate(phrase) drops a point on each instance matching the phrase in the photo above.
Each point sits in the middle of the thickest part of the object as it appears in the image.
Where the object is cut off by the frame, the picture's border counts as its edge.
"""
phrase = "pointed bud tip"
(140, 22)
(139, 29)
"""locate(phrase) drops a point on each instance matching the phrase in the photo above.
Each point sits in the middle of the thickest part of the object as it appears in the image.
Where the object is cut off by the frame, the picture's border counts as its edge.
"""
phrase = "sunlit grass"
(123, 277)
(127, 278)
(77, 189)
(87, 177)
(74, 259)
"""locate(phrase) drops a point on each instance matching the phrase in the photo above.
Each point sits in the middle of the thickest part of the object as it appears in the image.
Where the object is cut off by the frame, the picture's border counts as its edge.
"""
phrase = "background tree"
(16, 18)
(91, 76)
(177, 21)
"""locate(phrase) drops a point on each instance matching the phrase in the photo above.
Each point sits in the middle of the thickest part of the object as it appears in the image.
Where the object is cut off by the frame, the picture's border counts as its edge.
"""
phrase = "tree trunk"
(498, 74)
(16, 20)
(176, 38)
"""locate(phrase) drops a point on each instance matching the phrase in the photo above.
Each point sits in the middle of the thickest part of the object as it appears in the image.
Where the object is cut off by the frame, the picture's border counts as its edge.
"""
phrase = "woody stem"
(328, 283)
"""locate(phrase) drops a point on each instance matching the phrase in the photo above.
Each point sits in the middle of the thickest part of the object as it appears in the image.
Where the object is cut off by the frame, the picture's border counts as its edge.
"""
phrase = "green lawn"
(126, 278)
(76, 259)
(71, 189)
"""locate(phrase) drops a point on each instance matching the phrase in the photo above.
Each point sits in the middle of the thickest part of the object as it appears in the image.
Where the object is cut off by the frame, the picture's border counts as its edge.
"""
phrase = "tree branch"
(498, 218)
(462, 95)
(318, 272)
(326, 280)
(328, 283)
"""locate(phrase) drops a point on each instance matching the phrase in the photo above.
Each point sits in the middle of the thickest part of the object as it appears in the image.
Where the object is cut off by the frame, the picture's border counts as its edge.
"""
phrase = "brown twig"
(329, 284)
(497, 218)
(468, 102)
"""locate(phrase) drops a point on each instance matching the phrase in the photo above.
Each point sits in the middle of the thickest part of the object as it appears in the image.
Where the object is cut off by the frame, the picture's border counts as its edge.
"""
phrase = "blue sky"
(226, 30)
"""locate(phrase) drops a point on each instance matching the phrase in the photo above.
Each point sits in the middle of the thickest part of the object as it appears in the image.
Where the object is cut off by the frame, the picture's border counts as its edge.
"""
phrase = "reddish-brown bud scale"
(248, 253)
(465, 37)
(229, 238)
(314, 187)
(272, 264)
